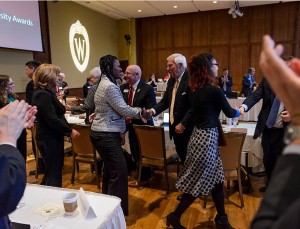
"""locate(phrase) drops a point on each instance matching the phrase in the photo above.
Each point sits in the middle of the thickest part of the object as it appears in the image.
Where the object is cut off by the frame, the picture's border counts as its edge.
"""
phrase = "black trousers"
(272, 144)
(115, 180)
(52, 149)
(181, 142)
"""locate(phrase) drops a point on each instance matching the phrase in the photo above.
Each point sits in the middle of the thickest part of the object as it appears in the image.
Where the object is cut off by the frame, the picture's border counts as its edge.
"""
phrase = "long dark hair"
(107, 65)
(200, 70)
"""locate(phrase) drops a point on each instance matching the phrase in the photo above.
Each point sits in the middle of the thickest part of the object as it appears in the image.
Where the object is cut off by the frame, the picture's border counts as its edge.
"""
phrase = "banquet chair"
(153, 150)
(231, 159)
(83, 151)
(37, 152)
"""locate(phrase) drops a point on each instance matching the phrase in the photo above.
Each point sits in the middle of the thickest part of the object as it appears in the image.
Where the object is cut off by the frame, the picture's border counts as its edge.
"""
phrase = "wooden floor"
(149, 206)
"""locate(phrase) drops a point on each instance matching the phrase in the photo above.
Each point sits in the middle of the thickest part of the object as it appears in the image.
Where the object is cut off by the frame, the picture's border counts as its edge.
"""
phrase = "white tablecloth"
(248, 116)
(107, 208)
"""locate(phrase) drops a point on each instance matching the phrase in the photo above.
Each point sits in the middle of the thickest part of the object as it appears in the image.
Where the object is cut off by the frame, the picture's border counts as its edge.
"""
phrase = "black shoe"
(179, 197)
(262, 189)
(33, 172)
(222, 222)
(174, 221)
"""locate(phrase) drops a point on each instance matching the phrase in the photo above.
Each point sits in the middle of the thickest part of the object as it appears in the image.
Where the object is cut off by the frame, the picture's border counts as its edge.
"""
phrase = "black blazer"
(246, 83)
(280, 205)
(13, 181)
(50, 117)
(265, 93)
(144, 97)
(181, 105)
(29, 91)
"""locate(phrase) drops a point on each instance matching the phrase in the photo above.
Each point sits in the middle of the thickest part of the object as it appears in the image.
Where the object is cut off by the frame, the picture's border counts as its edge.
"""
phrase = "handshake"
(146, 114)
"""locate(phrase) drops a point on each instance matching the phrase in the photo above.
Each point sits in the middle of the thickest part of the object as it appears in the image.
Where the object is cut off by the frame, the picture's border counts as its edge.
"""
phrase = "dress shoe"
(174, 221)
(179, 197)
(222, 222)
(33, 172)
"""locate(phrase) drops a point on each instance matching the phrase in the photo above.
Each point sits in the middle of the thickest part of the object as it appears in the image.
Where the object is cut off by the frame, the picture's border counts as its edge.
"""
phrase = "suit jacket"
(280, 205)
(13, 181)
(29, 91)
(111, 108)
(247, 86)
(50, 117)
(181, 105)
(88, 103)
(144, 97)
(265, 93)
(228, 84)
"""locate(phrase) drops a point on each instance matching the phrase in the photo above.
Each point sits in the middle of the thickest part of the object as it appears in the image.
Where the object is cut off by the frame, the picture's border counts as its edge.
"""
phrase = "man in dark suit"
(280, 205)
(248, 82)
(176, 99)
(225, 82)
(141, 95)
(12, 165)
(30, 68)
(272, 136)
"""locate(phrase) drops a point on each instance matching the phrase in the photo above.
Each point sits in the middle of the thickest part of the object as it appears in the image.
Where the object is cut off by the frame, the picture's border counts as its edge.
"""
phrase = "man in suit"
(141, 95)
(272, 136)
(30, 68)
(176, 99)
(13, 119)
(248, 82)
(280, 205)
(225, 82)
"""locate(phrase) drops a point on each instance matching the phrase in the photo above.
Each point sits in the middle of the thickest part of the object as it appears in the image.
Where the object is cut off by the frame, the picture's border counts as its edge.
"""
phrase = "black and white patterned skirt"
(203, 166)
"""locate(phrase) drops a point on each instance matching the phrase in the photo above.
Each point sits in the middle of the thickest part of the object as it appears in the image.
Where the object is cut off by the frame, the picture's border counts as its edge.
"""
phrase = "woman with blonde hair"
(51, 123)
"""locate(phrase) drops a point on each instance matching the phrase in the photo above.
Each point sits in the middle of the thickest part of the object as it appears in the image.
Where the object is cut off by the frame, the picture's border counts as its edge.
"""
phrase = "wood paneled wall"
(236, 43)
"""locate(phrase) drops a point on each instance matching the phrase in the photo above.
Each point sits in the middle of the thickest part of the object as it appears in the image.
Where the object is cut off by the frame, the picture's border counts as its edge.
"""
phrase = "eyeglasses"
(217, 64)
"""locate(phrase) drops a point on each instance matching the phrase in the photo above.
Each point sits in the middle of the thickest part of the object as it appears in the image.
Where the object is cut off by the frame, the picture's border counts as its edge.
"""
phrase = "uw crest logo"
(79, 45)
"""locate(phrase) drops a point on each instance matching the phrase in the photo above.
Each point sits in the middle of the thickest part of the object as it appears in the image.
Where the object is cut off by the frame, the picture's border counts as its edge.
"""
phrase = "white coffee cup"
(70, 202)
(229, 121)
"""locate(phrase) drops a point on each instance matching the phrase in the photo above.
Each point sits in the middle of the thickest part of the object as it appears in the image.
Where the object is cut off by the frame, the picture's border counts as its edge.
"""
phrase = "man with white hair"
(93, 78)
(176, 99)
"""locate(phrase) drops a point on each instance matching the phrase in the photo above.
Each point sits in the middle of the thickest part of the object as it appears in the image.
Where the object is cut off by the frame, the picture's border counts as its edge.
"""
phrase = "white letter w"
(80, 45)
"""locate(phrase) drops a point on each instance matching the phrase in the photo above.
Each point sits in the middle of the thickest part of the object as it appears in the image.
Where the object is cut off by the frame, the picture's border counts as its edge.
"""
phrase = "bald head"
(61, 77)
(133, 74)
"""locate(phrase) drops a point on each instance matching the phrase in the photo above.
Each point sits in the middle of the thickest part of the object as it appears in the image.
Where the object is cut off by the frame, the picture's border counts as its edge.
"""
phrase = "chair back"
(238, 130)
(151, 141)
(231, 153)
(82, 145)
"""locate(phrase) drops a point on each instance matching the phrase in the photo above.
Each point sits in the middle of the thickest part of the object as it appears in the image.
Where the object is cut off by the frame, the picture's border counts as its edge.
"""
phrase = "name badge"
(126, 90)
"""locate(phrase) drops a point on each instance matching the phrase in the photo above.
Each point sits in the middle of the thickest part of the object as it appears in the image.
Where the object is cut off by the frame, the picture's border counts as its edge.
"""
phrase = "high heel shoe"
(174, 221)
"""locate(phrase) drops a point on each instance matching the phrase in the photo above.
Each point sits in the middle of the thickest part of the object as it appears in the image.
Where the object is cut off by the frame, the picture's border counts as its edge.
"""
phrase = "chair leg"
(97, 174)
(73, 171)
(77, 166)
(205, 202)
(240, 188)
(167, 179)
(140, 175)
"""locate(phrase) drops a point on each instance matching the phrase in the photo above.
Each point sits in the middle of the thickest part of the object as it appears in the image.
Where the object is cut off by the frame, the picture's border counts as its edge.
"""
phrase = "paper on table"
(48, 210)
(85, 207)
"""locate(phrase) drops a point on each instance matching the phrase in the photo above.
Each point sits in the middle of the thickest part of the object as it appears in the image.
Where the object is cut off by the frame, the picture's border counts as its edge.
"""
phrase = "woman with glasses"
(7, 96)
(202, 171)
(51, 123)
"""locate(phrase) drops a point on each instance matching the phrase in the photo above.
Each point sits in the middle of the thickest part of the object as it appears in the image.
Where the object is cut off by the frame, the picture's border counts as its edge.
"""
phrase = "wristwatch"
(291, 133)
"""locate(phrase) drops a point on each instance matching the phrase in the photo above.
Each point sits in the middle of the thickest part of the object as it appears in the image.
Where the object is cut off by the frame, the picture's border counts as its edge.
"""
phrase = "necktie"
(130, 96)
(173, 101)
(273, 113)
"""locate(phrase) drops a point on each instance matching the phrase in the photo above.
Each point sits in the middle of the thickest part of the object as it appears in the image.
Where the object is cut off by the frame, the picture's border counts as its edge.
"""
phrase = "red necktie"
(130, 97)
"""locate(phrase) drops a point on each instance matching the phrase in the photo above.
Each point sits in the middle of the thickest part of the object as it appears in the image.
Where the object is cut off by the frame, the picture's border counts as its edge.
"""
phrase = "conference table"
(109, 214)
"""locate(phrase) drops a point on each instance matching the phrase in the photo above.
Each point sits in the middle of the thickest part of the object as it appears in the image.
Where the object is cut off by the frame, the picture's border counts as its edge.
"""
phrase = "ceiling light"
(214, 2)
(139, 11)
(235, 10)
(175, 7)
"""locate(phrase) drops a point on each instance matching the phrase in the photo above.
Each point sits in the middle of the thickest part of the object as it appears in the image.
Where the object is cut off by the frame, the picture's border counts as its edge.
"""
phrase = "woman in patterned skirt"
(202, 171)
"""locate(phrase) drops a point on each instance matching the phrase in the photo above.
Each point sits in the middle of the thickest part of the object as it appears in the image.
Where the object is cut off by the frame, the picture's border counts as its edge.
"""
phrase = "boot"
(222, 222)
(174, 221)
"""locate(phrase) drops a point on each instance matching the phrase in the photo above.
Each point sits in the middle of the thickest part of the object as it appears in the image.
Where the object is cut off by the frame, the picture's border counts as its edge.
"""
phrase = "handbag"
(221, 140)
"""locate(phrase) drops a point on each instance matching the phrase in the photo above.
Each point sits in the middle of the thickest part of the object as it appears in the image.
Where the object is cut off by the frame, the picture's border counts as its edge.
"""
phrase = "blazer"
(50, 117)
(144, 97)
(247, 86)
(29, 91)
(13, 181)
(228, 84)
(280, 205)
(88, 103)
(181, 105)
(265, 93)
(110, 108)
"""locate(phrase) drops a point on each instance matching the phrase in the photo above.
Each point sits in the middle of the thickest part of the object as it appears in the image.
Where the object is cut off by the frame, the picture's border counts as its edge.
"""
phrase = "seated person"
(93, 78)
